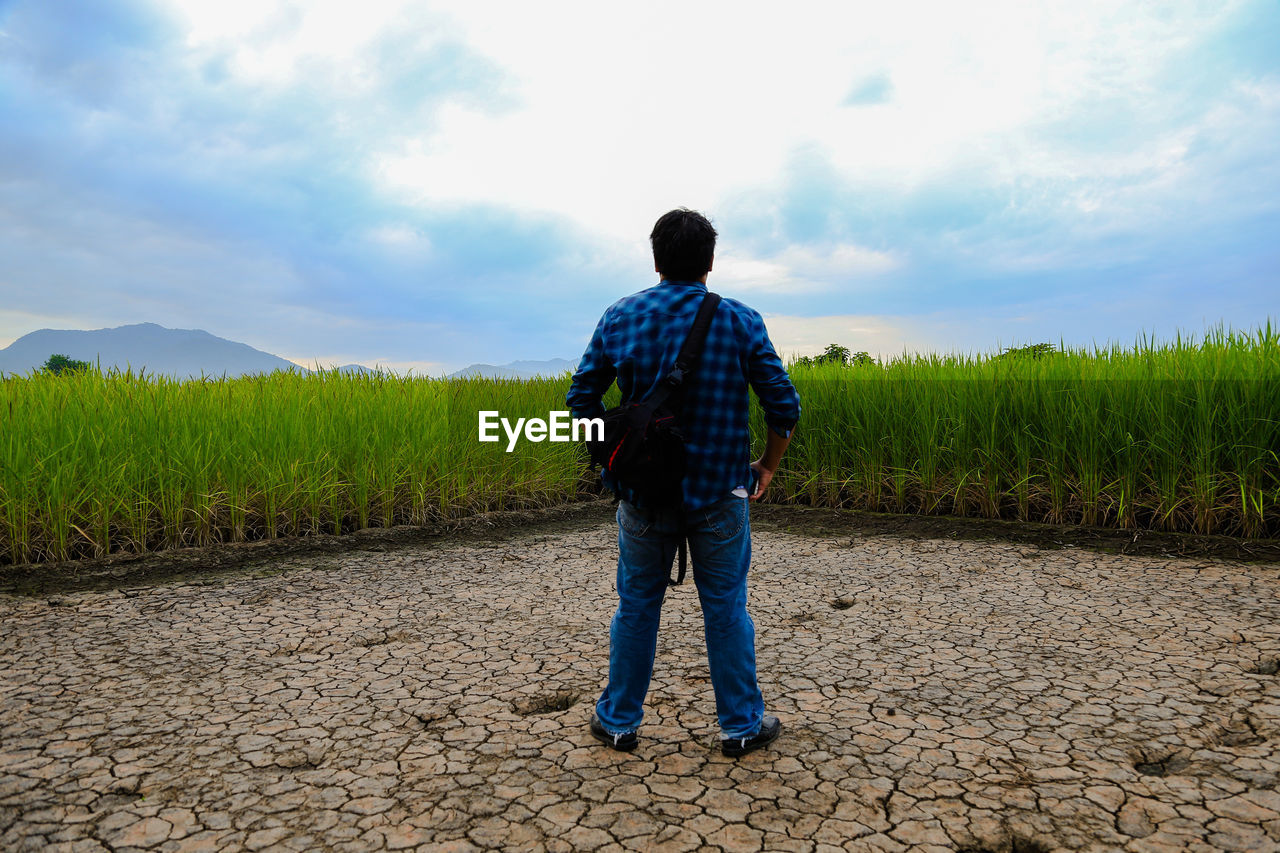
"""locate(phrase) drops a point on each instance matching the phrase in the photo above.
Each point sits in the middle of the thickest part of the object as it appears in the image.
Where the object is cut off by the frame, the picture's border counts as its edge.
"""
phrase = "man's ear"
(713, 257)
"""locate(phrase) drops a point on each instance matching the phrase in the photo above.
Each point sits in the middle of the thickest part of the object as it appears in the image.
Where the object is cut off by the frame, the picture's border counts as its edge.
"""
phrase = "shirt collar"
(698, 284)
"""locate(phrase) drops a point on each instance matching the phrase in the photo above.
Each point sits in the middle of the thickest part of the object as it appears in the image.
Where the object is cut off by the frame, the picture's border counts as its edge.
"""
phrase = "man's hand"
(775, 445)
(764, 476)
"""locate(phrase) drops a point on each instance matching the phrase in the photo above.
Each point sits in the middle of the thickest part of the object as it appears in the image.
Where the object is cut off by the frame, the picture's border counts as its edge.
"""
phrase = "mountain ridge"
(143, 347)
(516, 369)
(192, 353)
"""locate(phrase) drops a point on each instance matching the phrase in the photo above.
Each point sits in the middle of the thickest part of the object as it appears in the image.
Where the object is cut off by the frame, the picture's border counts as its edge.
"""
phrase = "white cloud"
(624, 112)
(843, 260)
(279, 44)
(400, 238)
(882, 336)
(1104, 208)
(802, 269)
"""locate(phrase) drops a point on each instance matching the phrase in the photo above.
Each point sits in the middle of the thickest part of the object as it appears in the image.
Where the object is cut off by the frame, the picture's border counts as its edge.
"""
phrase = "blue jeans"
(720, 553)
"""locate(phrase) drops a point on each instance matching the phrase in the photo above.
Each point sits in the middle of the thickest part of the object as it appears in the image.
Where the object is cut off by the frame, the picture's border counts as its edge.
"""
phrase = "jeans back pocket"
(726, 519)
(633, 520)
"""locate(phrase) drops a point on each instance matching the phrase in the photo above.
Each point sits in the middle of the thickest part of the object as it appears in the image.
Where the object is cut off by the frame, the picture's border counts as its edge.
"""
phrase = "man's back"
(637, 341)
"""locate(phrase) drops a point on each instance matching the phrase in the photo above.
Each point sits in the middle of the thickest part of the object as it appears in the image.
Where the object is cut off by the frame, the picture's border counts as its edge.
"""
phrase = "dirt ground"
(942, 685)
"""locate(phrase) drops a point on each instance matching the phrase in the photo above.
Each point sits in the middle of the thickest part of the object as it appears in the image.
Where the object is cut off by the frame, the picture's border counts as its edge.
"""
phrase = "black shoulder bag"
(643, 447)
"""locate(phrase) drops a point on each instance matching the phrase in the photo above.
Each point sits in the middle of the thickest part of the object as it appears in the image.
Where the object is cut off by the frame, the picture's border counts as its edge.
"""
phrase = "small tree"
(58, 363)
(833, 354)
(861, 358)
(1029, 351)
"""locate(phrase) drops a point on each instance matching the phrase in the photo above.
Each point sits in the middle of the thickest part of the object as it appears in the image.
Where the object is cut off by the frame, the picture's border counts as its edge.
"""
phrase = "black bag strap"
(691, 350)
(686, 361)
(682, 560)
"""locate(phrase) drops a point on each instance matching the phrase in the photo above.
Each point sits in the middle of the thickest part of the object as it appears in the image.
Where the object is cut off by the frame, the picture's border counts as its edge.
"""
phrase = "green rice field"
(1181, 436)
(1178, 437)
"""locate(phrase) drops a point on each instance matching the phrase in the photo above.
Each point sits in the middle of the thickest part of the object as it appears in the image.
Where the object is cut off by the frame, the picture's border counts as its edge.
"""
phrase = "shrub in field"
(57, 363)
(835, 354)
(1029, 351)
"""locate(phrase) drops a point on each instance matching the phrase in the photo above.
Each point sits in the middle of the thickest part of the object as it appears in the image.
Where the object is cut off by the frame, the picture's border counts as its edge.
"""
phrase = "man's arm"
(593, 377)
(778, 398)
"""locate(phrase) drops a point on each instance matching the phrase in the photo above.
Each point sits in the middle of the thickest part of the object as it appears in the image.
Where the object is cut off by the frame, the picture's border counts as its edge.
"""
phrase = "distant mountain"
(178, 353)
(517, 369)
(355, 368)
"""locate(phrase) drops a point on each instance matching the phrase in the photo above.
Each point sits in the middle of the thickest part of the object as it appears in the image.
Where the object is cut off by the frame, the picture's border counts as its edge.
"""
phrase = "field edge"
(207, 563)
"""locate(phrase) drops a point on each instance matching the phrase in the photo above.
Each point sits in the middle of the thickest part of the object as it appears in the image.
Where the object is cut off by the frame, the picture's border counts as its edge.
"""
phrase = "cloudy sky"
(425, 185)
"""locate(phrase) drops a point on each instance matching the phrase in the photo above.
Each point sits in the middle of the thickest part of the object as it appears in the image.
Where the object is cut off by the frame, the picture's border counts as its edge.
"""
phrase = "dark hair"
(683, 243)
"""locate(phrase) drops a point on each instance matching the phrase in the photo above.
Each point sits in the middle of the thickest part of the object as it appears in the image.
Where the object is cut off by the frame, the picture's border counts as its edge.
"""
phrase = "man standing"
(636, 343)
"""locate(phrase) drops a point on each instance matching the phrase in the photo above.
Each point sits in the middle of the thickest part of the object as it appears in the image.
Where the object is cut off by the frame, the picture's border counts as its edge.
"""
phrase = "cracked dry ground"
(936, 695)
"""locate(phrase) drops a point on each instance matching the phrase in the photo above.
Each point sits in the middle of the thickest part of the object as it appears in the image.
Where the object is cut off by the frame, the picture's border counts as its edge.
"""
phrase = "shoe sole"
(738, 752)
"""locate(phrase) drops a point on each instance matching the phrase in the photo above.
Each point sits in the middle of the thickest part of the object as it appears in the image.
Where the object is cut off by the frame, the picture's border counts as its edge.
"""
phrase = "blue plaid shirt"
(636, 343)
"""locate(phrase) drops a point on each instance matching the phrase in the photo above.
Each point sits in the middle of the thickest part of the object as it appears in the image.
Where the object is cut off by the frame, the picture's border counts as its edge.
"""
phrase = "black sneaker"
(770, 728)
(624, 742)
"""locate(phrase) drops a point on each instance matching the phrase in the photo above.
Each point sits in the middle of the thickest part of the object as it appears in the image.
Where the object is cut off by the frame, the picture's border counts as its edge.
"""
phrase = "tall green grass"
(1182, 436)
(93, 464)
